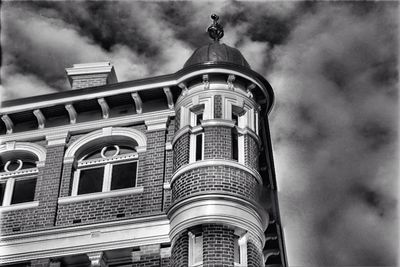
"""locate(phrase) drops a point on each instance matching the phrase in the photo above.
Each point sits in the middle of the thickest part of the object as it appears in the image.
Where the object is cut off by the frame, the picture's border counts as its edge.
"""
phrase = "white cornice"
(84, 239)
(84, 126)
(226, 210)
(215, 162)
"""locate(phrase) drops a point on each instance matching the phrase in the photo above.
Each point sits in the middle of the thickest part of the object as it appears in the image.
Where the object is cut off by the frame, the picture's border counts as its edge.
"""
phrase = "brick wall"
(83, 81)
(254, 251)
(180, 253)
(40, 263)
(177, 119)
(217, 143)
(18, 221)
(181, 151)
(251, 152)
(215, 179)
(218, 246)
(217, 106)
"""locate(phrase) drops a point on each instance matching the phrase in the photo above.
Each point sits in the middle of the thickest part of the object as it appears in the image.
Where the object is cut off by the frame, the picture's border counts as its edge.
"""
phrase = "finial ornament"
(216, 31)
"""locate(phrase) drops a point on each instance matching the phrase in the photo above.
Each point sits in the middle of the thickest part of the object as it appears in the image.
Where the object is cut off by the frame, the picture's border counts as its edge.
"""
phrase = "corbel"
(72, 113)
(206, 81)
(170, 99)
(249, 90)
(270, 252)
(230, 80)
(138, 102)
(8, 122)
(184, 88)
(105, 109)
(40, 118)
(97, 259)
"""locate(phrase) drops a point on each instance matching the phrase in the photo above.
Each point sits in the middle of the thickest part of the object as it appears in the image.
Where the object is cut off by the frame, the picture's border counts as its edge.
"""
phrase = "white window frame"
(193, 147)
(107, 163)
(10, 177)
(242, 243)
(192, 239)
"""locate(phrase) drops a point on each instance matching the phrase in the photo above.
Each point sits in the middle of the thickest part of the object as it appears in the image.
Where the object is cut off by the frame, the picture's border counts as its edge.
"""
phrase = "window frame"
(191, 249)
(107, 163)
(193, 147)
(242, 245)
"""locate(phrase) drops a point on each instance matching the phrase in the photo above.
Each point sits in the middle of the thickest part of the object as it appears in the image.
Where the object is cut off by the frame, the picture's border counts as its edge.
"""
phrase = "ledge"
(21, 206)
(215, 162)
(99, 195)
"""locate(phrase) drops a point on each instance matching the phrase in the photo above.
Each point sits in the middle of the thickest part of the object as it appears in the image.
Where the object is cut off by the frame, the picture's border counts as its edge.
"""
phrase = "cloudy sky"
(333, 66)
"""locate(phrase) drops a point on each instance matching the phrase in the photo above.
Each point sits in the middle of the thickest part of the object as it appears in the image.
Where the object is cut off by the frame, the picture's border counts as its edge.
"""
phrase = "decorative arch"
(36, 149)
(129, 133)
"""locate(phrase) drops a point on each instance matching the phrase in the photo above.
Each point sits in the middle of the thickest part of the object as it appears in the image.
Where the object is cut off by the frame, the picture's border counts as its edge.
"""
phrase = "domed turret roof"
(216, 53)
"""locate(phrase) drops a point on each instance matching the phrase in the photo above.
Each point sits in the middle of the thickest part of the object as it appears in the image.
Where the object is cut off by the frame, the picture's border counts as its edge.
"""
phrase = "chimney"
(91, 74)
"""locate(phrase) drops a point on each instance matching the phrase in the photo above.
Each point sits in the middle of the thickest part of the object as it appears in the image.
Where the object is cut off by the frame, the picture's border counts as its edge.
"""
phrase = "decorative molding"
(89, 68)
(105, 109)
(228, 210)
(217, 122)
(206, 81)
(86, 126)
(138, 102)
(184, 88)
(57, 139)
(230, 80)
(97, 259)
(215, 162)
(52, 243)
(156, 124)
(39, 151)
(168, 146)
(40, 118)
(169, 96)
(21, 206)
(8, 122)
(72, 113)
(23, 172)
(101, 195)
(134, 134)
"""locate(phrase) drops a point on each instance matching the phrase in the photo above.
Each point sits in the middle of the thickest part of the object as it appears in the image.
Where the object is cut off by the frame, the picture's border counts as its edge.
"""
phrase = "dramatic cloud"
(333, 66)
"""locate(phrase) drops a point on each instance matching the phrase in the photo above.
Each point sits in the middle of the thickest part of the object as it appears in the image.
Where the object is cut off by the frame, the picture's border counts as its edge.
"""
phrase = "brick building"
(174, 170)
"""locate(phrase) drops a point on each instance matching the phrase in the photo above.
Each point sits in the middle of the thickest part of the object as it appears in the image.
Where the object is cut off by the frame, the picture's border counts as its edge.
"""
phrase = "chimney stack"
(91, 74)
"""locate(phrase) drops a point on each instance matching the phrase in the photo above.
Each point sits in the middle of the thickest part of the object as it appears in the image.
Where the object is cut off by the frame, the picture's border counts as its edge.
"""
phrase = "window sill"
(196, 264)
(240, 265)
(100, 195)
(20, 206)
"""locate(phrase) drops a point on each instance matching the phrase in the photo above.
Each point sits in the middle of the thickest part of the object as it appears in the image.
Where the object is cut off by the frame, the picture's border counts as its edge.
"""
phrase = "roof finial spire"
(216, 31)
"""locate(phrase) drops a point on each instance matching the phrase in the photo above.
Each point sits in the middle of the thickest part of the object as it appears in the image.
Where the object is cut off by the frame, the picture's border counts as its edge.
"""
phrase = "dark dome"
(216, 53)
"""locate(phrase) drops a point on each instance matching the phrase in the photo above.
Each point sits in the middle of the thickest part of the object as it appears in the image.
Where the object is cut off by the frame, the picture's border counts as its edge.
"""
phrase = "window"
(240, 249)
(196, 115)
(17, 177)
(195, 249)
(238, 116)
(196, 147)
(235, 145)
(111, 167)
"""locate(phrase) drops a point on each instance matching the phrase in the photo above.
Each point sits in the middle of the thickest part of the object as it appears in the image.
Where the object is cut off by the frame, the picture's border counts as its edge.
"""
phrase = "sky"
(333, 67)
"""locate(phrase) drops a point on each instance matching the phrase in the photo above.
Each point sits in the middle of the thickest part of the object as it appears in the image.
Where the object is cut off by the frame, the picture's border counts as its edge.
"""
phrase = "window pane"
(199, 117)
(237, 249)
(91, 180)
(123, 175)
(2, 190)
(234, 146)
(199, 147)
(235, 118)
(24, 191)
(198, 249)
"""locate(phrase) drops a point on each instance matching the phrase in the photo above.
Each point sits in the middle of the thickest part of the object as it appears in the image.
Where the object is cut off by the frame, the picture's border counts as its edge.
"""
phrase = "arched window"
(105, 160)
(18, 172)
(105, 167)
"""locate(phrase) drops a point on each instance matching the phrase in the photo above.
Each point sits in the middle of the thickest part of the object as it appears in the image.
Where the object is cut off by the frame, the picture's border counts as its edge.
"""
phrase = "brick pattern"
(215, 179)
(40, 263)
(165, 262)
(177, 119)
(83, 81)
(48, 186)
(254, 251)
(251, 152)
(217, 106)
(66, 179)
(218, 246)
(217, 143)
(18, 221)
(180, 252)
(181, 151)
